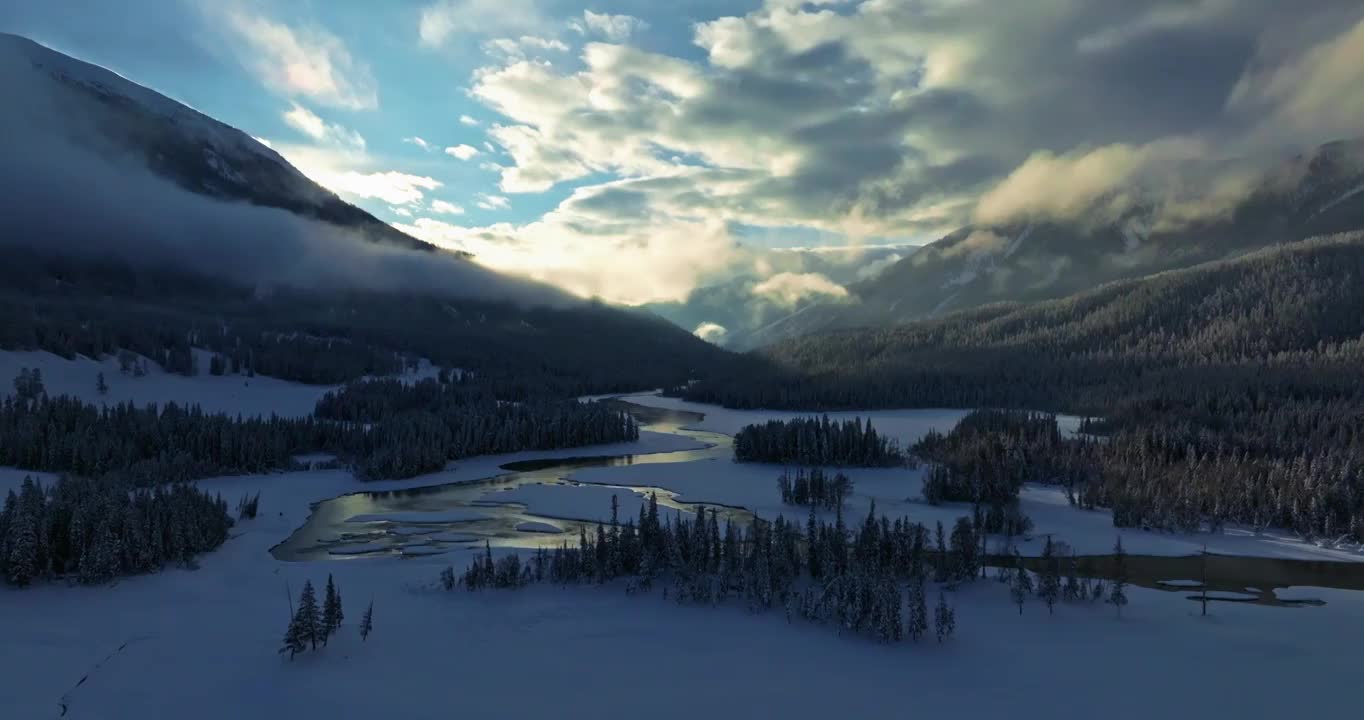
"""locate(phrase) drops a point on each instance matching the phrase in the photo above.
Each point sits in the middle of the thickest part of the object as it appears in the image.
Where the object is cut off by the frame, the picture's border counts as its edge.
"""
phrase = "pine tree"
(1073, 590)
(1022, 582)
(918, 610)
(1049, 584)
(940, 564)
(22, 548)
(1118, 592)
(367, 622)
(944, 618)
(101, 386)
(331, 610)
(295, 641)
(310, 625)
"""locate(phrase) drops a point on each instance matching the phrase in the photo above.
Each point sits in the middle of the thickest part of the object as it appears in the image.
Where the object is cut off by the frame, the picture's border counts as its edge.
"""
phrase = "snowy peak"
(100, 110)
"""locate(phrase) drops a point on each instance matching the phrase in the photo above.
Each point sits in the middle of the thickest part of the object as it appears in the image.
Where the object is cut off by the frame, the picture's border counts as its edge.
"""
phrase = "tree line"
(871, 579)
(816, 441)
(97, 530)
(173, 442)
(98, 307)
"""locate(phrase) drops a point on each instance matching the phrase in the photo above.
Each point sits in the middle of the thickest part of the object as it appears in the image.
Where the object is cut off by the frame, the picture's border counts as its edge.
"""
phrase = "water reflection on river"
(463, 514)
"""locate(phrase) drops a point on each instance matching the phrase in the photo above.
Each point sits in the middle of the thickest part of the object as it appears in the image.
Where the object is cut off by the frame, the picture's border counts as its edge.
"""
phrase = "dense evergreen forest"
(871, 579)
(1242, 377)
(416, 428)
(384, 428)
(94, 307)
(96, 530)
(816, 441)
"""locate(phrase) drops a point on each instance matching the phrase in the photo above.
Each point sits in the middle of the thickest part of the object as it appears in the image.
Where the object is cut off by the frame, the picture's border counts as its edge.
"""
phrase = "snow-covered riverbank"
(203, 643)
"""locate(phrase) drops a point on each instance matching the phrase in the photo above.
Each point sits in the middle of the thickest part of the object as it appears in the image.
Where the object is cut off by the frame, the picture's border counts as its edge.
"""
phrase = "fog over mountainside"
(1125, 233)
(93, 164)
(132, 222)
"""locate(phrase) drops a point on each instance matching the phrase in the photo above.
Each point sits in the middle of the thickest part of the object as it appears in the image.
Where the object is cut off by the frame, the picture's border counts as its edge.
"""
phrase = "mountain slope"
(131, 222)
(1284, 321)
(104, 112)
(1318, 193)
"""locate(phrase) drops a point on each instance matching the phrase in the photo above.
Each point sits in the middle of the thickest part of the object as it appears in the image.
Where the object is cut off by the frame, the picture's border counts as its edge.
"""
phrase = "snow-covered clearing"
(232, 394)
(203, 643)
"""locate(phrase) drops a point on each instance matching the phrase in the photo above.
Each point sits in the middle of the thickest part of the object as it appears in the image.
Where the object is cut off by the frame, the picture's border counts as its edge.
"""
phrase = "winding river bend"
(439, 519)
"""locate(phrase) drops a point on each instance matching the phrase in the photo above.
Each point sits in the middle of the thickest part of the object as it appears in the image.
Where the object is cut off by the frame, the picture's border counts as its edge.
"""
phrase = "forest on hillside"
(94, 307)
(1250, 366)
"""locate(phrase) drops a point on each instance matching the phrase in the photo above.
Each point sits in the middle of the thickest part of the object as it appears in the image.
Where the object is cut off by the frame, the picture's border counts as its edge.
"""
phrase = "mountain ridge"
(196, 151)
(1315, 193)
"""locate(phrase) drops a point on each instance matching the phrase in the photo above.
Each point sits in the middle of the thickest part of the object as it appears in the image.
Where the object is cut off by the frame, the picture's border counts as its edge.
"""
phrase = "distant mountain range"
(1317, 193)
(105, 112)
(739, 307)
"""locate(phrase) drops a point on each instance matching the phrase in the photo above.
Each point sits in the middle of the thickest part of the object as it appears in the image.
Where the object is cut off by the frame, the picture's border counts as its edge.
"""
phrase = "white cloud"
(492, 202)
(523, 47)
(446, 208)
(466, 120)
(876, 267)
(418, 141)
(710, 332)
(616, 28)
(302, 62)
(307, 122)
(790, 288)
(445, 19)
(463, 152)
(352, 173)
(1316, 95)
(404, 212)
(633, 263)
(393, 187)
(877, 119)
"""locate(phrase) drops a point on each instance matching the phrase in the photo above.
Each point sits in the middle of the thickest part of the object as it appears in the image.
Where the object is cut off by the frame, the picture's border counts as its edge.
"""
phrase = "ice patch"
(444, 516)
(537, 527)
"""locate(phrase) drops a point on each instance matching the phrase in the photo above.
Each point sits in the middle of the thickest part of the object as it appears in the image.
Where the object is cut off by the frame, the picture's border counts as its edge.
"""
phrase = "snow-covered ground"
(232, 394)
(235, 394)
(203, 643)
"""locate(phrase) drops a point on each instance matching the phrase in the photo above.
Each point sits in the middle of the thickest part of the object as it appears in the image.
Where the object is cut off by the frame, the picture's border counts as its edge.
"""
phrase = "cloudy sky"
(632, 149)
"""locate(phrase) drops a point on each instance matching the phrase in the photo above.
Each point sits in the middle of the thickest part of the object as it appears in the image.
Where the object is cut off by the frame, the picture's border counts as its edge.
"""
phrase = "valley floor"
(203, 643)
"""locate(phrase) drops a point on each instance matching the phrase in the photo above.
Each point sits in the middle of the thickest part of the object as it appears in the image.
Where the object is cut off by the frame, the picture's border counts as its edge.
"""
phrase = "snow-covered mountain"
(101, 111)
(1314, 193)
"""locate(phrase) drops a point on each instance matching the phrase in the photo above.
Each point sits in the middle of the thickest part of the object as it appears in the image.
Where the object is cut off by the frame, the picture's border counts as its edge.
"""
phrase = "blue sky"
(634, 149)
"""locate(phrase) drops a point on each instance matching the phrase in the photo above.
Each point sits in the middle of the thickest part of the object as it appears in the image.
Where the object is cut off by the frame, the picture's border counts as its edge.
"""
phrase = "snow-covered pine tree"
(310, 625)
(331, 610)
(940, 556)
(1073, 591)
(1117, 594)
(1022, 582)
(294, 641)
(918, 610)
(22, 546)
(367, 622)
(944, 618)
(1049, 583)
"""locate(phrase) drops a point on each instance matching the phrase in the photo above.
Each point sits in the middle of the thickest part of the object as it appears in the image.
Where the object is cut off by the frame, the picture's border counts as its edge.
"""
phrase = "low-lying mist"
(65, 189)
